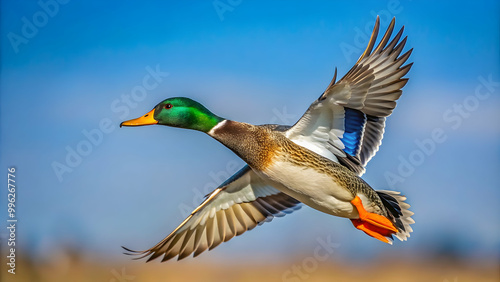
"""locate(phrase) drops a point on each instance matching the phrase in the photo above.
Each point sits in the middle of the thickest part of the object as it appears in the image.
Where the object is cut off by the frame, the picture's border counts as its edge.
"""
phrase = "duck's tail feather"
(398, 211)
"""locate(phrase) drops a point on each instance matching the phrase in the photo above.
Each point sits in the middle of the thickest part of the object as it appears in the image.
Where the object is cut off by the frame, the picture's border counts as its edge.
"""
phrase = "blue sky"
(257, 62)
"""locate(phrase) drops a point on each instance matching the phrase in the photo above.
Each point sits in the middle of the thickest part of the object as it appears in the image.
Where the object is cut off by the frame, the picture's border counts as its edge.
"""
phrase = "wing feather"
(241, 203)
(370, 89)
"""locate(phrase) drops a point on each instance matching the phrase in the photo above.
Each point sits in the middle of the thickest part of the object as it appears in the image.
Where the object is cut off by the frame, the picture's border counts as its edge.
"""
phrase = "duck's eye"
(167, 106)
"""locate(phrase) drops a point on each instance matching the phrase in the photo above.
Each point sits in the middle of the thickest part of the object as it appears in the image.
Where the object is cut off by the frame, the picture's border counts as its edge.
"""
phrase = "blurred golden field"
(72, 267)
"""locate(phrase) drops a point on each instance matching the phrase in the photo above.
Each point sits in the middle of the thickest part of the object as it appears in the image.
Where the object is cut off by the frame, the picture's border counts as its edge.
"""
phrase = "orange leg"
(373, 218)
(375, 225)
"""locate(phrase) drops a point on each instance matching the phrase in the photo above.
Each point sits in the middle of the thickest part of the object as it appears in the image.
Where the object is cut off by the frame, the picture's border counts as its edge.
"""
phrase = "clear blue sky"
(73, 70)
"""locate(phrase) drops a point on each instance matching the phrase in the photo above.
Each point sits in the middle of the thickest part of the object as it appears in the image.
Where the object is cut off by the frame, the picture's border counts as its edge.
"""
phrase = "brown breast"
(254, 144)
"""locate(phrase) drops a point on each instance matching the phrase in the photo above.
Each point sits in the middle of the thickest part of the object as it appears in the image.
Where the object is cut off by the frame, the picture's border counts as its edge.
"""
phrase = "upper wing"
(346, 123)
(239, 204)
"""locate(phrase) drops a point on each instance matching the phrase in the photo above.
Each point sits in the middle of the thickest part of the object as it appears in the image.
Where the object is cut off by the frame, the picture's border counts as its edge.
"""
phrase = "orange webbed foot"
(375, 225)
(372, 230)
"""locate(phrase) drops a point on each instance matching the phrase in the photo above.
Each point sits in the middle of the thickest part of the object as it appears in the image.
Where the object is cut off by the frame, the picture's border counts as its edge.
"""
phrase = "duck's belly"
(317, 190)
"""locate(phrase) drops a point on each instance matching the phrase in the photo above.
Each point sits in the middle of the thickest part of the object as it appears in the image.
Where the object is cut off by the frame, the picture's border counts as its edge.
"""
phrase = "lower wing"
(241, 203)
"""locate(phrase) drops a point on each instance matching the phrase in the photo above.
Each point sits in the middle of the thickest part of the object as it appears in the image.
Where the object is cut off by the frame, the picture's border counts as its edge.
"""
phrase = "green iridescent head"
(178, 112)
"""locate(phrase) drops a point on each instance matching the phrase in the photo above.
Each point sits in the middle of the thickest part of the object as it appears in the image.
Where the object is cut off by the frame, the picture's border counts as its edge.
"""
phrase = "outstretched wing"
(239, 204)
(346, 123)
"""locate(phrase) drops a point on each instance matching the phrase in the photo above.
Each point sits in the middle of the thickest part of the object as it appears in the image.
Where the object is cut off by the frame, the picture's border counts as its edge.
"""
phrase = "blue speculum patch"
(354, 124)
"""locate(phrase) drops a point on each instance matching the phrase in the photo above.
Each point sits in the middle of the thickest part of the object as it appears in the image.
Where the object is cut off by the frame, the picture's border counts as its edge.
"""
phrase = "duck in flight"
(318, 161)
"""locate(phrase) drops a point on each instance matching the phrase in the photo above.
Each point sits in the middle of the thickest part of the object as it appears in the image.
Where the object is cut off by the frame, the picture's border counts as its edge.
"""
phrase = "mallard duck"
(318, 161)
